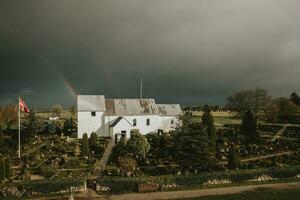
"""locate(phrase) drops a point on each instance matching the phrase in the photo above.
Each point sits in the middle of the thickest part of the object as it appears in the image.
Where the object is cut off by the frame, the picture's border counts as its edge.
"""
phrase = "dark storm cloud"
(187, 51)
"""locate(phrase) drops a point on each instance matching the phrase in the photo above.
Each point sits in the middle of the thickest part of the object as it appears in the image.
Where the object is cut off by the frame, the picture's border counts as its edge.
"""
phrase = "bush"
(161, 170)
(48, 186)
(48, 171)
(129, 184)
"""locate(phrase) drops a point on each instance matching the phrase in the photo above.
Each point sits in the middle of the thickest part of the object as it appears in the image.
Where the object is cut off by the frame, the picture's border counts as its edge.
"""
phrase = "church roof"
(123, 107)
(91, 102)
(169, 109)
(126, 107)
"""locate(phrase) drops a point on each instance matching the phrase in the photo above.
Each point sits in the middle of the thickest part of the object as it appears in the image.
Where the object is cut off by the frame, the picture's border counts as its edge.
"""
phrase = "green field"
(220, 121)
(262, 194)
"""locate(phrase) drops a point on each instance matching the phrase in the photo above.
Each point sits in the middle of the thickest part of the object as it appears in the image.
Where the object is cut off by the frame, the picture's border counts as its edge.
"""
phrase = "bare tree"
(8, 115)
(261, 100)
(57, 109)
(256, 100)
(73, 111)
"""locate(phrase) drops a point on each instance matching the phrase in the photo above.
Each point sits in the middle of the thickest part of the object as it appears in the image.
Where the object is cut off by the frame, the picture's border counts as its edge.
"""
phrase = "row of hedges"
(161, 170)
(47, 186)
(129, 184)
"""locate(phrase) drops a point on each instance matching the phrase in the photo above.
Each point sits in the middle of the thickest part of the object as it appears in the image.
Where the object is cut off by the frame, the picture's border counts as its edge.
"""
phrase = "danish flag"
(23, 106)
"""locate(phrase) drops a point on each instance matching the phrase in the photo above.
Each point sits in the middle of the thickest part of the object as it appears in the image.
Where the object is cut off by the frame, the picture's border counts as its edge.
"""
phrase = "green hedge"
(160, 170)
(5, 168)
(49, 185)
(129, 184)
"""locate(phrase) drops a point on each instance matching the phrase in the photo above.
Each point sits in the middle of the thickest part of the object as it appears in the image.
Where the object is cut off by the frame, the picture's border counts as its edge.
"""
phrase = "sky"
(189, 52)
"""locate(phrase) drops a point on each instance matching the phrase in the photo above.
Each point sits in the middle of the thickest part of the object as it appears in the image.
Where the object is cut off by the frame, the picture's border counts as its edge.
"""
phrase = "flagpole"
(19, 153)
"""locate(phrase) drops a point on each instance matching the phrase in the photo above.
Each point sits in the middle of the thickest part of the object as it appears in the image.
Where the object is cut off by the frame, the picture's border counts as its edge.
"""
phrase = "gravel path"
(90, 194)
(201, 192)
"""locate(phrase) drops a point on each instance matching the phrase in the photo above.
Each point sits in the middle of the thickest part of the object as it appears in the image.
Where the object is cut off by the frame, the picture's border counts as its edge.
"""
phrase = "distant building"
(108, 117)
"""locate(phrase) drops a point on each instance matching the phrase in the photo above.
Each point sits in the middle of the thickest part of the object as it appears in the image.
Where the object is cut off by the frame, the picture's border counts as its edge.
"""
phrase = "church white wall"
(126, 124)
(100, 124)
(166, 123)
(88, 123)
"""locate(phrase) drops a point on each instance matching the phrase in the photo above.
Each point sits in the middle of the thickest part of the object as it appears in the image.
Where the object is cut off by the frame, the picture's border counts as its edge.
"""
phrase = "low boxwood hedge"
(129, 184)
(48, 185)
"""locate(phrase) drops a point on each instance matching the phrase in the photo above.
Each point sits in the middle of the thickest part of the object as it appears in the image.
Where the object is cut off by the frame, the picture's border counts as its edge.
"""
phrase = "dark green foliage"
(47, 171)
(95, 145)
(5, 167)
(51, 128)
(158, 170)
(85, 145)
(209, 127)
(2, 168)
(283, 110)
(233, 158)
(129, 184)
(137, 146)
(161, 150)
(193, 147)
(120, 150)
(249, 126)
(51, 185)
(295, 98)
(33, 123)
(93, 141)
(69, 126)
(1, 137)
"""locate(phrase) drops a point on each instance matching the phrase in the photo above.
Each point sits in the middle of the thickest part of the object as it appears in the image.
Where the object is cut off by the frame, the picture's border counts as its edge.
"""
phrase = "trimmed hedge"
(161, 170)
(48, 185)
(129, 184)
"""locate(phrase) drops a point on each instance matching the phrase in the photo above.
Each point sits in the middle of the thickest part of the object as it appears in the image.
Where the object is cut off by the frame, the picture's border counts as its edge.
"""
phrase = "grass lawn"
(261, 194)
(220, 120)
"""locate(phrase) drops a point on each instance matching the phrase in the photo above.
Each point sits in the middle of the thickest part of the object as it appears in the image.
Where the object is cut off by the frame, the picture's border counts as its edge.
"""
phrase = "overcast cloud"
(190, 52)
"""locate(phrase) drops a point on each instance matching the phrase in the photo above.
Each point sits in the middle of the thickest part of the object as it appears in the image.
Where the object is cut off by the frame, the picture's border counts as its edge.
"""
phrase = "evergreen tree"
(68, 126)
(120, 150)
(233, 158)
(2, 168)
(209, 127)
(193, 147)
(33, 123)
(249, 126)
(1, 137)
(161, 147)
(295, 98)
(85, 145)
(94, 143)
(7, 167)
(93, 140)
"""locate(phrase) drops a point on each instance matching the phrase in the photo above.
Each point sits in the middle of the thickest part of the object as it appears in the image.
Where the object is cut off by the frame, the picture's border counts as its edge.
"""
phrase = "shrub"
(48, 171)
(129, 184)
(49, 186)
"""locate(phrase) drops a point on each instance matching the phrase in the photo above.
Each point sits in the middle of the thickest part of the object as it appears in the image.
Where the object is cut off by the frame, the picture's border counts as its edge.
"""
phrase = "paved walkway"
(263, 157)
(280, 132)
(201, 192)
(90, 194)
(103, 162)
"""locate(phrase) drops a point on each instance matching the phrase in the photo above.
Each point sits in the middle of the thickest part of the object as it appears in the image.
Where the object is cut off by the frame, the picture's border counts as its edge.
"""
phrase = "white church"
(108, 117)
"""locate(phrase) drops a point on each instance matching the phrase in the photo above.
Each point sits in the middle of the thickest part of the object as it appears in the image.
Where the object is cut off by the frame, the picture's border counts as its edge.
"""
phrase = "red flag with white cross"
(23, 106)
